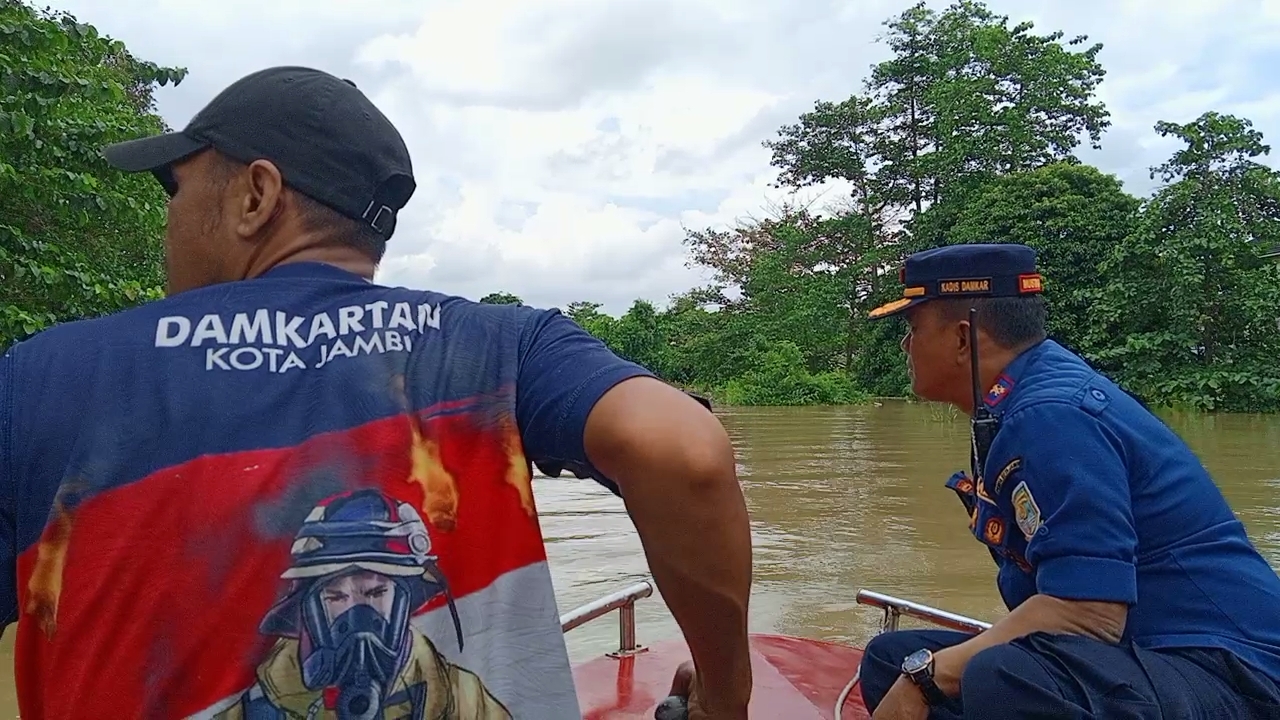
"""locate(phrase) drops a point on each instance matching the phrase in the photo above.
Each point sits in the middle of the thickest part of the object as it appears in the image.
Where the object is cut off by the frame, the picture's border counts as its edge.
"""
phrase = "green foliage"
(1073, 215)
(967, 132)
(1190, 316)
(781, 378)
(77, 239)
(501, 298)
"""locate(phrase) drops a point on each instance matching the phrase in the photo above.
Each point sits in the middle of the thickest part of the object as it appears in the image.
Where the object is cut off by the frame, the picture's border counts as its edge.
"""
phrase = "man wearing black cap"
(1133, 590)
(157, 463)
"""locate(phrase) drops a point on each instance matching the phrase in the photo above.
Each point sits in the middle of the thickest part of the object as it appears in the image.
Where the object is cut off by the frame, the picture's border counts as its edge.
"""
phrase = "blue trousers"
(1069, 677)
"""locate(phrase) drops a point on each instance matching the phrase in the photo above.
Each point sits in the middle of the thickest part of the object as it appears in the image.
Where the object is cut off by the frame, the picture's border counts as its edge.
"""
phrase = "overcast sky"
(562, 146)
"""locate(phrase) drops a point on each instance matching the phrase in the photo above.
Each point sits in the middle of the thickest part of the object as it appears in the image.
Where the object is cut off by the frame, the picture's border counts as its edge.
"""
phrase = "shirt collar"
(309, 269)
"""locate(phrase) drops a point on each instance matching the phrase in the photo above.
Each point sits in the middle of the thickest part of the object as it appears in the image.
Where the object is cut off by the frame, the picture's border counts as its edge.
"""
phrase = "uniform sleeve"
(8, 492)
(1068, 495)
(563, 372)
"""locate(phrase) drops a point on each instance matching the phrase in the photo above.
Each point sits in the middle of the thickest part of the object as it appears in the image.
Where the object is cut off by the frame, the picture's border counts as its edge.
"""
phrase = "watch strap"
(922, 677)
(932, 693)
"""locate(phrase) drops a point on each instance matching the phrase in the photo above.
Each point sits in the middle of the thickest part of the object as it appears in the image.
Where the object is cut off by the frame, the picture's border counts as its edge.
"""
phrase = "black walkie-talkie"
(984, 424)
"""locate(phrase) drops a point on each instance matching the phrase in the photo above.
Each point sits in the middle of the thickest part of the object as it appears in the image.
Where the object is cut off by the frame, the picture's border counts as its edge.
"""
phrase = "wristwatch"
(918, 667)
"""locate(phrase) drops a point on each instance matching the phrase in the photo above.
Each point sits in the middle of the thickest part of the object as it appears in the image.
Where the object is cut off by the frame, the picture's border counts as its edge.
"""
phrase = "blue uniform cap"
(976, 270)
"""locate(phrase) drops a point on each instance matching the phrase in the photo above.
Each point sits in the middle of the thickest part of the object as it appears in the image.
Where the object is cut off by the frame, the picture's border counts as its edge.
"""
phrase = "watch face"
(916, 661)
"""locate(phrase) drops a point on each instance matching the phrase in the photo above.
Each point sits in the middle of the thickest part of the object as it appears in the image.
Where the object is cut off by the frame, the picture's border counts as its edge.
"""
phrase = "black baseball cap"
(328, 140)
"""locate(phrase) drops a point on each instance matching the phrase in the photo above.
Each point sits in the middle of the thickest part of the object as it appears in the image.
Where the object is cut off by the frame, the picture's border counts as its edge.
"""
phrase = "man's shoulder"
(1059, 382)
(68, 341)
(473, 315)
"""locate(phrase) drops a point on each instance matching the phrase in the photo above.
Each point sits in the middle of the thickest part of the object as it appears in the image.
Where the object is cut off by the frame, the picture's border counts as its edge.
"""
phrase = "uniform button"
(1098, 394)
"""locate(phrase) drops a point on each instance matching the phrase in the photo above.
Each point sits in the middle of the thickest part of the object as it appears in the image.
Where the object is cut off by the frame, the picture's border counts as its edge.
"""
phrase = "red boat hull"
(794, 678)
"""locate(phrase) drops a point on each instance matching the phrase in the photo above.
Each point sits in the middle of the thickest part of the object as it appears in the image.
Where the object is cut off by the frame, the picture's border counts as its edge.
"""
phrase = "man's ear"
(261, 198)
(960, 333)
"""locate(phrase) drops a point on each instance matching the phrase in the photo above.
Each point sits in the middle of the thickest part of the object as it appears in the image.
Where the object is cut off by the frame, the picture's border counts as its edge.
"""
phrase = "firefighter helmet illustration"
(361, 565)
(368, 531)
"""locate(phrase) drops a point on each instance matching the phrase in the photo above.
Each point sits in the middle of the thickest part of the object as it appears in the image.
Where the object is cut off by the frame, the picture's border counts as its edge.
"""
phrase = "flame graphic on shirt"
(45, 583)
(439, 489)
(519, 474)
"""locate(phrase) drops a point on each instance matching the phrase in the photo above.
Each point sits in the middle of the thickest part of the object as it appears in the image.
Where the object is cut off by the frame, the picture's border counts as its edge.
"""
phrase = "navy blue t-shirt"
(1088, 496)
(248, 499)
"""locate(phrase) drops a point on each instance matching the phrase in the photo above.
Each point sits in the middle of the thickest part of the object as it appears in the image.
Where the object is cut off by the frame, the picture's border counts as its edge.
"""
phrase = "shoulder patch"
(993, 531)
(1025, 510)
(999, 391)
(1010, 468)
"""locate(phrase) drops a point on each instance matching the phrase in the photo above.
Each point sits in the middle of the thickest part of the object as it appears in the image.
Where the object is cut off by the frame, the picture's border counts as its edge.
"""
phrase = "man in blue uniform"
(280, 426)
(1133, 590)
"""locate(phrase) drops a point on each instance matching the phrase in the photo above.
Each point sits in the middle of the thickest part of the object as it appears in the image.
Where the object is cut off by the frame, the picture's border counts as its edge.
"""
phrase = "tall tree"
(1191, 310)
(77, 239)
(964, 98)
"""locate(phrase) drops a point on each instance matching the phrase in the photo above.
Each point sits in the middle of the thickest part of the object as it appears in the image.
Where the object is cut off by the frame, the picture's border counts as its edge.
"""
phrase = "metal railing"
(894, 608)
(624, 601)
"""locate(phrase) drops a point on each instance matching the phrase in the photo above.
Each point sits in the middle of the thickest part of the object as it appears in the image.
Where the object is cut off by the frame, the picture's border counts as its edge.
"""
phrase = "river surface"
(842, 499)
(853, 497)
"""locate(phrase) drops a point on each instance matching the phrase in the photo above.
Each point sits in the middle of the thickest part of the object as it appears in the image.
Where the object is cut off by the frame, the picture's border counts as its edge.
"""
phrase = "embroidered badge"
(963, 487)
(1005, 472)
(1025, 510)
(999, 391)
(994, 531)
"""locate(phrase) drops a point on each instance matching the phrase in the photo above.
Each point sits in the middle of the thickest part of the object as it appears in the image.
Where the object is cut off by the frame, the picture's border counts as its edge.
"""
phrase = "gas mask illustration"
(360, 652)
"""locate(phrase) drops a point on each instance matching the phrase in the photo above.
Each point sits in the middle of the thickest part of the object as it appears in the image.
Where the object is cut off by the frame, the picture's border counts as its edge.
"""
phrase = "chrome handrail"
(624, 601)
(894, 608)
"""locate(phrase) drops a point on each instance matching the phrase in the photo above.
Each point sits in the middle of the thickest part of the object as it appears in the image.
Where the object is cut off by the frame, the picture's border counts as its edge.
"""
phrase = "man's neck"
(341, 257)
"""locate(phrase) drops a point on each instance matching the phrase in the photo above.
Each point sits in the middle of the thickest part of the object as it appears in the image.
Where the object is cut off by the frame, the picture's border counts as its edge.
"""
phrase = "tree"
(1190, 311)
(806, 279)
(963, 98)
(1073, 215)
(77, 238)
(501, 298)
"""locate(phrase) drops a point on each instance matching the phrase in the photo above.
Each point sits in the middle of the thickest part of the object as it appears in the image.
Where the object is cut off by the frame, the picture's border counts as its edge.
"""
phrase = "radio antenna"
(975, 374)
(983, 423)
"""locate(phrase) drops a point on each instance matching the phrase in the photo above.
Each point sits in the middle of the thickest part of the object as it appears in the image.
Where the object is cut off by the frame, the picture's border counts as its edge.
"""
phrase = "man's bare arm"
(1102, 621)
(674, 466)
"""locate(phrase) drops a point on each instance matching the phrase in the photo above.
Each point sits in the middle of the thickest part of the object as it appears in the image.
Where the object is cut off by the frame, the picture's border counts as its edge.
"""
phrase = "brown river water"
(842, 499)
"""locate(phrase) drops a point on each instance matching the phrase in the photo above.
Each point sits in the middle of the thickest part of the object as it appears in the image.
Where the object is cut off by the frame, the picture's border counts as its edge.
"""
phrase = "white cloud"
(561, 146)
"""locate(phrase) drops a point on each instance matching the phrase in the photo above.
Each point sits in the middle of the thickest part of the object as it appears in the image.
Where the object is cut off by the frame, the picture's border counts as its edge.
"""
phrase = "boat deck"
(794, 678)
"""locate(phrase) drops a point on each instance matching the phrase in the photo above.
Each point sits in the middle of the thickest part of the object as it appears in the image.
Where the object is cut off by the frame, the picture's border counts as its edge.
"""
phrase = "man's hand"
(675, 469)
(904, 701)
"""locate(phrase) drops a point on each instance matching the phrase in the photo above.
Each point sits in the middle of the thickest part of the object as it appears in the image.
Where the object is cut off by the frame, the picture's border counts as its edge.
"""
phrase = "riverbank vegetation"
(968, 132)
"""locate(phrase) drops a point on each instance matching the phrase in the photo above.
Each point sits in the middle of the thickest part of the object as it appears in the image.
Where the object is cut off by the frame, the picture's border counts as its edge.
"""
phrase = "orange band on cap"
(1030, 283)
